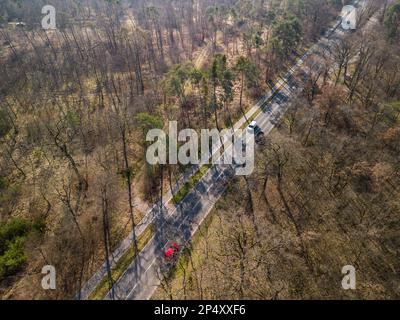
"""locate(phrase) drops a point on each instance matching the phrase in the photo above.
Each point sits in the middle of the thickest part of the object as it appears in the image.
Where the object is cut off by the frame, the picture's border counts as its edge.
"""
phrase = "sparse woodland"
(76, 103)
(324, 195)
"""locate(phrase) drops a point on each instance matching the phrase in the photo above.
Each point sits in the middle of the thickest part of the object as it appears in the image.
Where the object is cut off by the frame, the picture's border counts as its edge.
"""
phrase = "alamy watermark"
(213, 147)
(49, 280)
(49, 20)
(349, 17)
(349, 280)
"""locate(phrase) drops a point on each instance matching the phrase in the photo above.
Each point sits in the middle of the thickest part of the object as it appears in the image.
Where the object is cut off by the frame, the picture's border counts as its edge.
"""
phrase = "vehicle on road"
(171, 256)
(256, 130)
(253, 127)
(172, 251)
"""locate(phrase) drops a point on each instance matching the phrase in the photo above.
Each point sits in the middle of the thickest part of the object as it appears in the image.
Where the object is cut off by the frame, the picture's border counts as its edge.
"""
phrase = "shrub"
(14, 257)
(13, 229)
(13, 235)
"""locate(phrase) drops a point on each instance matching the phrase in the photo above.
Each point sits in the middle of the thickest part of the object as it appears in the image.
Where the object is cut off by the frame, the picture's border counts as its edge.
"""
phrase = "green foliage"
(196, 76)
(392, 21)
(13, 258)
(175, 80)
(218, 66)
(221, 76)
(252, 38)
(249, 70)
(178, 77)
(13, 235)
(394, 108)
(39, 225)
(286, 34)
(15, 228)
(227, 84)
(147, 121)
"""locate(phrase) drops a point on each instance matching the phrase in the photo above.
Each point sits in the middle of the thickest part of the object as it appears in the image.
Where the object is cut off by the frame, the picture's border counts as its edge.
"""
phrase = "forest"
(76, 103)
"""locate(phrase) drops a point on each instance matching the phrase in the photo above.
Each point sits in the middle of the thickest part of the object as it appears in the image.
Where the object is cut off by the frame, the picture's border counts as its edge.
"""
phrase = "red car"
(171, 251)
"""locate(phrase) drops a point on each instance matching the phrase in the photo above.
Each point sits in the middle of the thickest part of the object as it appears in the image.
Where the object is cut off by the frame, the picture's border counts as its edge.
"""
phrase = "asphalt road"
(144, 275)
(178, 224)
